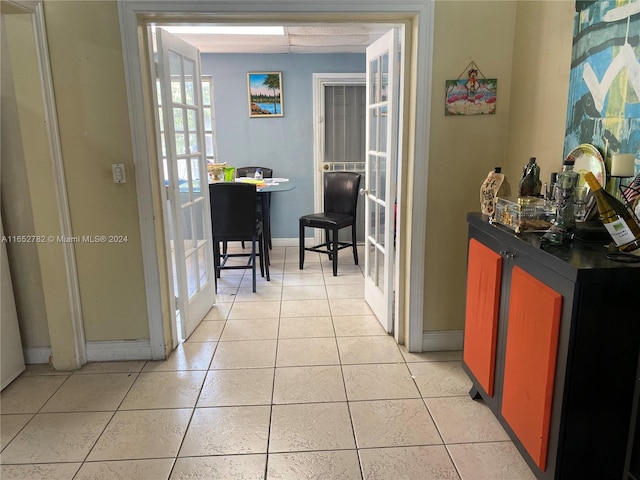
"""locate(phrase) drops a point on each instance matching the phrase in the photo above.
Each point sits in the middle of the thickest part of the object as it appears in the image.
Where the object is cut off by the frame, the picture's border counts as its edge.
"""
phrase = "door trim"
(79, 357)
(418, 16)
(320, 80)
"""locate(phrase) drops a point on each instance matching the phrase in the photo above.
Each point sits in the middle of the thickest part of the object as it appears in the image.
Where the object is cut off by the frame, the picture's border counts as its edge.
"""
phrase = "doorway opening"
(135, 15)
(342, 145)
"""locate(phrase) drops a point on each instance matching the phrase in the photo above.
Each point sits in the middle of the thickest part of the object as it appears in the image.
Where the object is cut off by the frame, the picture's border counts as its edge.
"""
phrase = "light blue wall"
(282, 143)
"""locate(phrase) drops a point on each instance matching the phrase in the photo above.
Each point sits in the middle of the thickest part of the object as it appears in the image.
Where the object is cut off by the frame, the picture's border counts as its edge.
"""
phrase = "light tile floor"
(296, 381)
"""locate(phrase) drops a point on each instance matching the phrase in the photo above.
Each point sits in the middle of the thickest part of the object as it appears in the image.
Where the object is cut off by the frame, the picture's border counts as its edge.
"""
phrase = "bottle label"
(620, 232)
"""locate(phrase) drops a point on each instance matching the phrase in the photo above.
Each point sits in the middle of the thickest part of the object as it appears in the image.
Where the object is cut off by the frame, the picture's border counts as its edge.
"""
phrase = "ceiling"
(313, 38)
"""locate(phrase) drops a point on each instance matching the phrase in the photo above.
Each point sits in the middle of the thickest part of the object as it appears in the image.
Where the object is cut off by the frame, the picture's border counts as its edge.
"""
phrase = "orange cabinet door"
(530, 361)
(484, 273)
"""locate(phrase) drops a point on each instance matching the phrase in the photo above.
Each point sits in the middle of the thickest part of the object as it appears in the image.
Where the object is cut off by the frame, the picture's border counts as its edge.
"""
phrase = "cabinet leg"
(474, 394)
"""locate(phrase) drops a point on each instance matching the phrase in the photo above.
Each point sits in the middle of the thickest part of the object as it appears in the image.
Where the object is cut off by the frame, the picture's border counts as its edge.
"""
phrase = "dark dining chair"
(234, 218)
(340, 201)
(264, 199)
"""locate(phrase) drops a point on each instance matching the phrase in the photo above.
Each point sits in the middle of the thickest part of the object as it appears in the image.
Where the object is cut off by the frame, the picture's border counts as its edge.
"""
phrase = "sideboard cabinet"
(552, 340)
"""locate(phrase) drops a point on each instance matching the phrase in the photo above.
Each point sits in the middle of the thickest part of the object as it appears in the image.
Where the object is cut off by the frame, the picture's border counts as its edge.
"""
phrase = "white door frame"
(76, 320)
(320, 80)
(417, 14)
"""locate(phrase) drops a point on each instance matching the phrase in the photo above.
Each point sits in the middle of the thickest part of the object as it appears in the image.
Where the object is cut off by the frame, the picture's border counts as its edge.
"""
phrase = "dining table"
(267, 186)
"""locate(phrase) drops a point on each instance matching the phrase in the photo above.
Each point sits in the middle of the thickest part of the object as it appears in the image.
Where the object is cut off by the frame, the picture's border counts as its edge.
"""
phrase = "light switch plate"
(119, 174)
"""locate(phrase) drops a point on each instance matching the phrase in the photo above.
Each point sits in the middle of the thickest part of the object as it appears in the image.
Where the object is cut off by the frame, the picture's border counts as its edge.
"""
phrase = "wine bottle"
(619, 222)
(530, 184)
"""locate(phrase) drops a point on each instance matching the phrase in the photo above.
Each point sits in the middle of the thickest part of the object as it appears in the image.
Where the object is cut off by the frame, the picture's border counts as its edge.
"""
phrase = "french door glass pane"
(384, 118)
(382, 178)
(373, 81)
(202, 265)
(373, 130)
(191, 120)
(193, 143)
(372, 218)
(189, 86)
(384, 87)
(209, 141)
(195, 178)
(371, 273)
(206, 93)
(192, 274)
(373, 172)
(175, 70)
(198, 220)
(379, 279)
(183, 180)
(381, 224)
(207, 118)
(181, 147)
(187, 226)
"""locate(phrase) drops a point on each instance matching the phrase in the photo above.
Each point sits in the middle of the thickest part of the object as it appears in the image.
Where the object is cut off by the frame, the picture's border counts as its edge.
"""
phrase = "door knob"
(363, 191)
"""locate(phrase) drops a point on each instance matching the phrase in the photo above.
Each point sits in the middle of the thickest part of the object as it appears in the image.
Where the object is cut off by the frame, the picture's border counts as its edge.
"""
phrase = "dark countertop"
(579, 258)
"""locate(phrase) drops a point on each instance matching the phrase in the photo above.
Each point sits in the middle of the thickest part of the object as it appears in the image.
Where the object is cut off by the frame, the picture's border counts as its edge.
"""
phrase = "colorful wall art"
(471, 96)
(604, 88)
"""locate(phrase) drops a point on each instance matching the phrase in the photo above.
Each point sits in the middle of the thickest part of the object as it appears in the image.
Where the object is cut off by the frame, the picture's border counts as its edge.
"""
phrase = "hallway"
(297, 381)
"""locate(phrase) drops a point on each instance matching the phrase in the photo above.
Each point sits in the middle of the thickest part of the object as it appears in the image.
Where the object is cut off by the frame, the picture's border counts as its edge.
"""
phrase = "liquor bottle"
(530, 184)
(561, 232)
(619, 222)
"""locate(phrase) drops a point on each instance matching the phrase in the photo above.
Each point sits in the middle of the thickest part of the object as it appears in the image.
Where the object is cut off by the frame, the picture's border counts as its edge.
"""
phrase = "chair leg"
(301, 245)
(354, 242)
(215, 266)
(267, 261)
(259, 239)
(334, 249)
(253, 264)
(266, 218)
(216, 259)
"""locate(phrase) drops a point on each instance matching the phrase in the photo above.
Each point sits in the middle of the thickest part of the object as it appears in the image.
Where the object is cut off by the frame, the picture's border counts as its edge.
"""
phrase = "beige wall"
(88, 78)
(462, 148)
(540, 86)
(526, 45)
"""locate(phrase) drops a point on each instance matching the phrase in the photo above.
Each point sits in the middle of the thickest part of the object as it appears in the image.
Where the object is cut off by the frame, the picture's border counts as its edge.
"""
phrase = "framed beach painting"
(265, 94)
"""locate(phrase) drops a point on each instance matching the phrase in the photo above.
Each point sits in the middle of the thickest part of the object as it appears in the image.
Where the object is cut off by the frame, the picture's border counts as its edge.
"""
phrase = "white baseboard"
(442, 340)
(290, 242)
(37, 355)
(119, 350)
(113, 351)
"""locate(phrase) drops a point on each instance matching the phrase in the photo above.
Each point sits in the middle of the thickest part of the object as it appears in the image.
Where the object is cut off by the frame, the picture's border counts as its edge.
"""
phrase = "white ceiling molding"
(316, 38)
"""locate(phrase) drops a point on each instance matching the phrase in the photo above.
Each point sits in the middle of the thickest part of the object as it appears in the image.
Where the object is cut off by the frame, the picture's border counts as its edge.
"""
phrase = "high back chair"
(340, 201)
(234, 218)
(264, 199)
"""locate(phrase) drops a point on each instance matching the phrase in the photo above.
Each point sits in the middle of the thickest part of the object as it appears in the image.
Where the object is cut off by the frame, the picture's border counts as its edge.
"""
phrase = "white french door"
(380, 192)
(184, 158)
